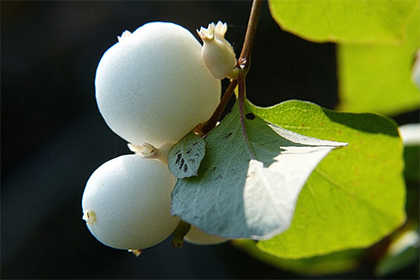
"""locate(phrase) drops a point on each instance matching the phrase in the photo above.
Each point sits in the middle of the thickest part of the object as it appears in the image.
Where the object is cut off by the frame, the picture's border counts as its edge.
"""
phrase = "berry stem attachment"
(178, 235)
(136, 252)
(204, 128)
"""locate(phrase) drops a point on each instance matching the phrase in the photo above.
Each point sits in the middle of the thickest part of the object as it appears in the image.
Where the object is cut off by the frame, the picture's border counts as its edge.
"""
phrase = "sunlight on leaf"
(345, 21)
(236, 195)
(356, 195)
(379, 78)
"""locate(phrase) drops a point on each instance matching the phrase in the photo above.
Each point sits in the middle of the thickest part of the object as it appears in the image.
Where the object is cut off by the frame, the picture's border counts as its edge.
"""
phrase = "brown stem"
(245, 57)
(205, 128)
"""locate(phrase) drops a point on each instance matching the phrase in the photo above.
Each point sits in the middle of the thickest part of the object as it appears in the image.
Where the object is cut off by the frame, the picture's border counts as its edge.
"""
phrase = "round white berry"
(153, 87)
(127, 200)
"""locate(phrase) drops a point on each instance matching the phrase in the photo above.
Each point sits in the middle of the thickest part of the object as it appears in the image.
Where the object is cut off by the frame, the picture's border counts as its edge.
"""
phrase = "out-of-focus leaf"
(344, 21)
(379, 78)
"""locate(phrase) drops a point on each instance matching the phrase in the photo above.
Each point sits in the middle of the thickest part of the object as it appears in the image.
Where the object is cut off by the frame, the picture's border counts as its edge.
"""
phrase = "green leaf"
(185, 156)
(337, 262)
(356, 195)
(345, 21)
(378, 78)
(248, 188)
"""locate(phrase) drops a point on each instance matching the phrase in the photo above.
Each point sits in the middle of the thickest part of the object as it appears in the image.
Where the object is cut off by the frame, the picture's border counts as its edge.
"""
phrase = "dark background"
(53, 136)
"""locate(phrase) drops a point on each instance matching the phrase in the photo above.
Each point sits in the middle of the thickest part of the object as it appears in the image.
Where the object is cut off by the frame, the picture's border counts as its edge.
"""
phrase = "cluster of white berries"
(152, 87)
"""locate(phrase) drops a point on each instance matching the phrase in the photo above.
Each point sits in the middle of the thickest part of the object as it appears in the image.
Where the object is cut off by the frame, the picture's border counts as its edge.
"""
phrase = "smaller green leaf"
(185, 156)
(345, 21)
(379, 79)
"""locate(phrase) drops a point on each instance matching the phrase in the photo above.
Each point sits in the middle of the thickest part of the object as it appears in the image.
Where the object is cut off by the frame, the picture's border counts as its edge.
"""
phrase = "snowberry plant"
(300, 181)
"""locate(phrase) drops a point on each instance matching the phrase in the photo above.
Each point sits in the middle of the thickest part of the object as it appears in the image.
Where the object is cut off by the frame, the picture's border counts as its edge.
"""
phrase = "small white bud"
(123, 36)
(217, 53)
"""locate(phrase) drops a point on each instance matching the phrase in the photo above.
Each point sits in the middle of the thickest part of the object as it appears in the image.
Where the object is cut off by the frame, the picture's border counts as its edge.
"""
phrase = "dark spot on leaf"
(195, 143)
(250, 116)
(178, 158)
(227, 135)
(185, 168)
(182, 163)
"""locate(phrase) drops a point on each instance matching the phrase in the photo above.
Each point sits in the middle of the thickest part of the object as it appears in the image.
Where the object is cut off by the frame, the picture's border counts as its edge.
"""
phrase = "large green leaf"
(356, 195)
(378, 78)
(247, 186)
(344, 21)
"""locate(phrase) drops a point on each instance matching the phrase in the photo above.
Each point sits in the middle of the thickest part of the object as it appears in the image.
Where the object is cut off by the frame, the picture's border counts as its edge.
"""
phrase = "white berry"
(127, 200)
(153, 87)
(199, 237)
